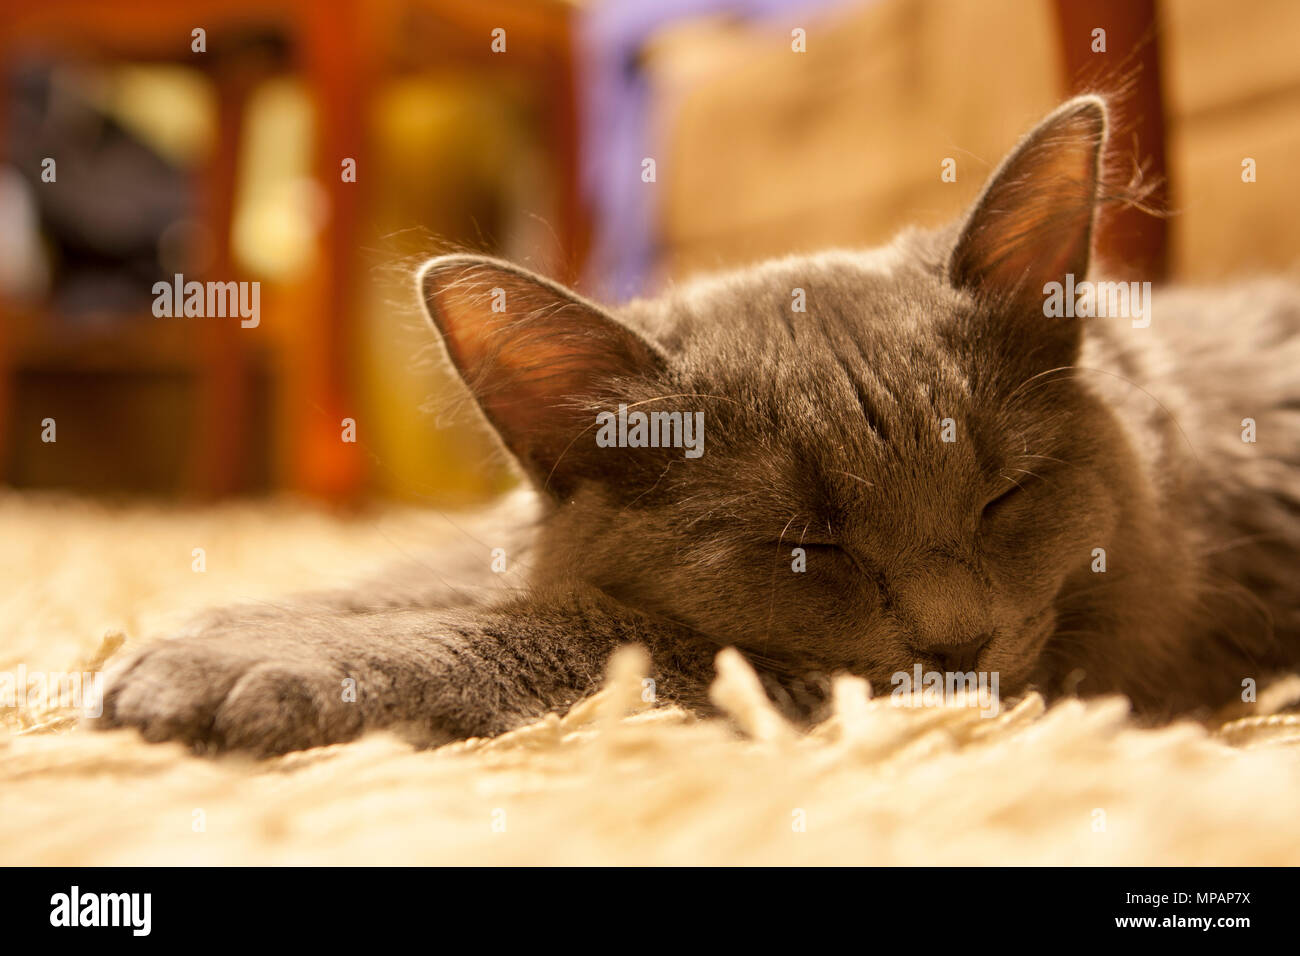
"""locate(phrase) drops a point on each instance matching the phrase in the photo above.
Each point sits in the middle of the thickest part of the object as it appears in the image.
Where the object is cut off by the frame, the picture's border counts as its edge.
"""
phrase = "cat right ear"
(539, 359)
(1033, 223)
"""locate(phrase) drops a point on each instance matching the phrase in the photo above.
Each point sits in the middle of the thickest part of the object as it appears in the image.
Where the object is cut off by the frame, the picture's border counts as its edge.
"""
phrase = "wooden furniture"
(1131, 240)
(767, 151)
(344, 49)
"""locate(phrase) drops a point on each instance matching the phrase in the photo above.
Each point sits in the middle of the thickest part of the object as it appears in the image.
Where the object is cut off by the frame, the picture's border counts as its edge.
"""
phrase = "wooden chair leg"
(1134, 244)
(218, 452)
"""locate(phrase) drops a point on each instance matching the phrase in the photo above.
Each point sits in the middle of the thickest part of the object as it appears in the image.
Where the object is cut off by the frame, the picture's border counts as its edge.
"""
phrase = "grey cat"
(957, 467)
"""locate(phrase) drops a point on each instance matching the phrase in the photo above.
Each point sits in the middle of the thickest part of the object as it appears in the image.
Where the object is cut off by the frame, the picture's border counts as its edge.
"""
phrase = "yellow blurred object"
(172, 108)
(278, 205)
(429, 132)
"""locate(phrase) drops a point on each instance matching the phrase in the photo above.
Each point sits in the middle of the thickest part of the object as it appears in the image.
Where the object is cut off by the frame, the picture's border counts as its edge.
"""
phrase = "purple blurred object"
(615, 108)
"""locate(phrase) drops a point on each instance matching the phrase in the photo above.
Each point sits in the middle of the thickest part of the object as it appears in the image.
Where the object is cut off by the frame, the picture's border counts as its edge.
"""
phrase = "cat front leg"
(269, 687)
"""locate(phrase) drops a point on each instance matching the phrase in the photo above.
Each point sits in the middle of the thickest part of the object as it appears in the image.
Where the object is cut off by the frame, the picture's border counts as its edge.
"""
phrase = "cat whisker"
(1242, 542)
(1058, 461)
(624, 510)
(1161, 405)
(849, 474)
(1031, 474)
(1015, 392)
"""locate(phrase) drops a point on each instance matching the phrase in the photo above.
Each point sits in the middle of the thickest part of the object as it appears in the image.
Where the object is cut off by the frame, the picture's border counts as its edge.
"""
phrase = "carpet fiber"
(611, 782)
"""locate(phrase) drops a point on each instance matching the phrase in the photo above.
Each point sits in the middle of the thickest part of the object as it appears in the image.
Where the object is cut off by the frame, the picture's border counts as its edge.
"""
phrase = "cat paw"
(222, 693)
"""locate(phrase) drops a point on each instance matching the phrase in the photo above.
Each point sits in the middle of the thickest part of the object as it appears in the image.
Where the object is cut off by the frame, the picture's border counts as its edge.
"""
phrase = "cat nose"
(955, 658)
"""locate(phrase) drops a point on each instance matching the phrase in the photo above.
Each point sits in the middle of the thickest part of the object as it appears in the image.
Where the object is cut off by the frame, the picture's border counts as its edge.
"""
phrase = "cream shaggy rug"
(875, 784)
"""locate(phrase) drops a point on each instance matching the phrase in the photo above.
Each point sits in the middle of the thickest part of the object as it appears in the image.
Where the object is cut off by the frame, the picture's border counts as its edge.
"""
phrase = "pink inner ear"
(540, 349)
(533, 367)
(1033, 224)
(529, 372)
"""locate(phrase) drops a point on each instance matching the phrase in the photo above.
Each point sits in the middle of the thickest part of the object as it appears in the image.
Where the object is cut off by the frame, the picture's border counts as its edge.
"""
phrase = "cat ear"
(538, 358)
(1033, 222)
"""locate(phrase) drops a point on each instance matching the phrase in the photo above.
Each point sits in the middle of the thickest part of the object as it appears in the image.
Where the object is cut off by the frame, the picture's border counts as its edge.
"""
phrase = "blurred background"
(520, 128)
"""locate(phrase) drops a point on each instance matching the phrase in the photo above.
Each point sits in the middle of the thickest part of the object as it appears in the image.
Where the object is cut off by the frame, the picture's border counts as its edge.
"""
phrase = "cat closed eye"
(996, 502)
(807, 545)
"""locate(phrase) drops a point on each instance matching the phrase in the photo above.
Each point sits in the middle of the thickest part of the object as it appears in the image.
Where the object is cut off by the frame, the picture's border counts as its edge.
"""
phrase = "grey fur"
(823, 431)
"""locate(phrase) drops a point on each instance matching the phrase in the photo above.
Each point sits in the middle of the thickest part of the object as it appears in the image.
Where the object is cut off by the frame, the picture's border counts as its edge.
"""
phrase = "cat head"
(893, 467)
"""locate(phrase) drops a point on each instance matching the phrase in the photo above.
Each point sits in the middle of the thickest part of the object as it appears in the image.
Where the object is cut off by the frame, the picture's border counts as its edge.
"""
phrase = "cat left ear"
(1033, 222)
(537, 358)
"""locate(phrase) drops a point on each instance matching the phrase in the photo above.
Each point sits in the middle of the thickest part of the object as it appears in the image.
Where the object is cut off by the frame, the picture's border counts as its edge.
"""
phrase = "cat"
(1073, 504)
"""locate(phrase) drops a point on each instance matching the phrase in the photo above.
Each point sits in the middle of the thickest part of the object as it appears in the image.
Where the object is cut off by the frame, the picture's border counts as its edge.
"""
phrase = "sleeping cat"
(1074, 504)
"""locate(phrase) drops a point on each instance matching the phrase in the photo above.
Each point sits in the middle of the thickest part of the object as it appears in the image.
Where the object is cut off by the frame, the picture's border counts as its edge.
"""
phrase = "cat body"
(905, 462)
